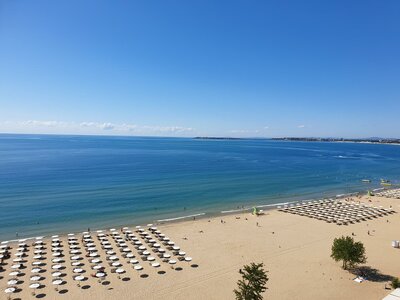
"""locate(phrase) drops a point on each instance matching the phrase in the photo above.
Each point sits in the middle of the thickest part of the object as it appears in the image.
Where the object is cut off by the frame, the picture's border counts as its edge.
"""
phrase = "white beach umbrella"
(10, 290)
(79, 278)
(35, 278)
(97, 267)
(78, 270)
(134, 261)
(14, 273)
(56, 267)
(119, 271)
(16, 266)
(138, 267)
(12, 282)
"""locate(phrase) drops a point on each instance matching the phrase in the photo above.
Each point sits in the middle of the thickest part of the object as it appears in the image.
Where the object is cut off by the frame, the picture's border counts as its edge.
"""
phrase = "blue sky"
(187, 68)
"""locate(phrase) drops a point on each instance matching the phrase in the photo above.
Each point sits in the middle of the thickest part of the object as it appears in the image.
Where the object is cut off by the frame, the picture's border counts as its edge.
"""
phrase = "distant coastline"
(368, 140)
(392, 141)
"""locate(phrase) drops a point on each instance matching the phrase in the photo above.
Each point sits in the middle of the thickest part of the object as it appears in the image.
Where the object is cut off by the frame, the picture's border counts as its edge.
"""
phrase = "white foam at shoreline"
(180, 218)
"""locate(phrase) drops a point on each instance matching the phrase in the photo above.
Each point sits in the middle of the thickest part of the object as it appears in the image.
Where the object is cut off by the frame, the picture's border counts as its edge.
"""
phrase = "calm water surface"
(65, 183)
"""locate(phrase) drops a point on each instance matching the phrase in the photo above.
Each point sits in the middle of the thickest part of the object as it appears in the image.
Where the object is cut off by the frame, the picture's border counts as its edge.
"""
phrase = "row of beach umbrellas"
(336, 211)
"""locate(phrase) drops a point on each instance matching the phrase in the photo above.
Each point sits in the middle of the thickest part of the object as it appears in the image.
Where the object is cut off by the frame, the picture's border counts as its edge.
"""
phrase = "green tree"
(395, 283)
(348, 251)
(253, 282)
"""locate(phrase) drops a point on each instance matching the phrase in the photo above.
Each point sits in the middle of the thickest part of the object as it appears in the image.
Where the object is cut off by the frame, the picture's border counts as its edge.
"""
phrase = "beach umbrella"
(74, 251)
(142, 248)
(38, 256)
(76, 257)
(12, 282)
(79, 278)
(182, 253)
(97, 267)
(56, 274)
(10, 290)
(56, 260)
(78, 270)
(35, 278)
(116, 264)
(138, 267)
(113, 258)
(76, 263)
(188, 258)
(56, 267)
(161, 250)
(57, 282)
(176, 248)
(93, 254)
(14, 273)
(172, 261)
(34, 286)
(134, 261)
(146, 253)
(17, 259)
(119, 271)
(95, 261)
(100, 274)
(166, 255)
(150, 258)
(155, 264)
(130, 255)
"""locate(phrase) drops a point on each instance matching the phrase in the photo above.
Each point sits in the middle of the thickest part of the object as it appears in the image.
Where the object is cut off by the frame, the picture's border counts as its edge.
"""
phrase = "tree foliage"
(348, 251)
(395, 283)
(253, 282)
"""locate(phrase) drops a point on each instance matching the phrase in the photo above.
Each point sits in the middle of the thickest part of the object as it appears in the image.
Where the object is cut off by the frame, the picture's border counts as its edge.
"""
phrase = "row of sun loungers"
(394, 193)
(96, 253)
(336, 211)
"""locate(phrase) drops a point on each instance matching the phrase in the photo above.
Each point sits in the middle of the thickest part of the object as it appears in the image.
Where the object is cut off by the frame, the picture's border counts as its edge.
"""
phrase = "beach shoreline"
(287, 244)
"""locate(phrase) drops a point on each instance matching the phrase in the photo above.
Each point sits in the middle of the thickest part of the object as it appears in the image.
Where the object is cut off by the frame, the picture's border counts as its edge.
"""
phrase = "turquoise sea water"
(69, 183)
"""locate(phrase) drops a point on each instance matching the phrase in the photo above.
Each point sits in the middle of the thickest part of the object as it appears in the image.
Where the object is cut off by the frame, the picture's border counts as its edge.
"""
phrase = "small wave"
(272, 205)
(180, 218)
(233, 210)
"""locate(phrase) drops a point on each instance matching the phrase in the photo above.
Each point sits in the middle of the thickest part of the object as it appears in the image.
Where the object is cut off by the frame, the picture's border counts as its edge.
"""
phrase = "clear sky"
(188, 68)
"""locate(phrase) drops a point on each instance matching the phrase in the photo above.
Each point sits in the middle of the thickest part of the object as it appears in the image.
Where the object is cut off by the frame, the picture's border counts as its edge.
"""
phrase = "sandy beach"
(294, 249)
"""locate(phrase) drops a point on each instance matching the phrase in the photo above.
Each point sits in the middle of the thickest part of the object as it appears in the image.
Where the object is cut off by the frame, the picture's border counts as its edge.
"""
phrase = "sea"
(63, 183)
